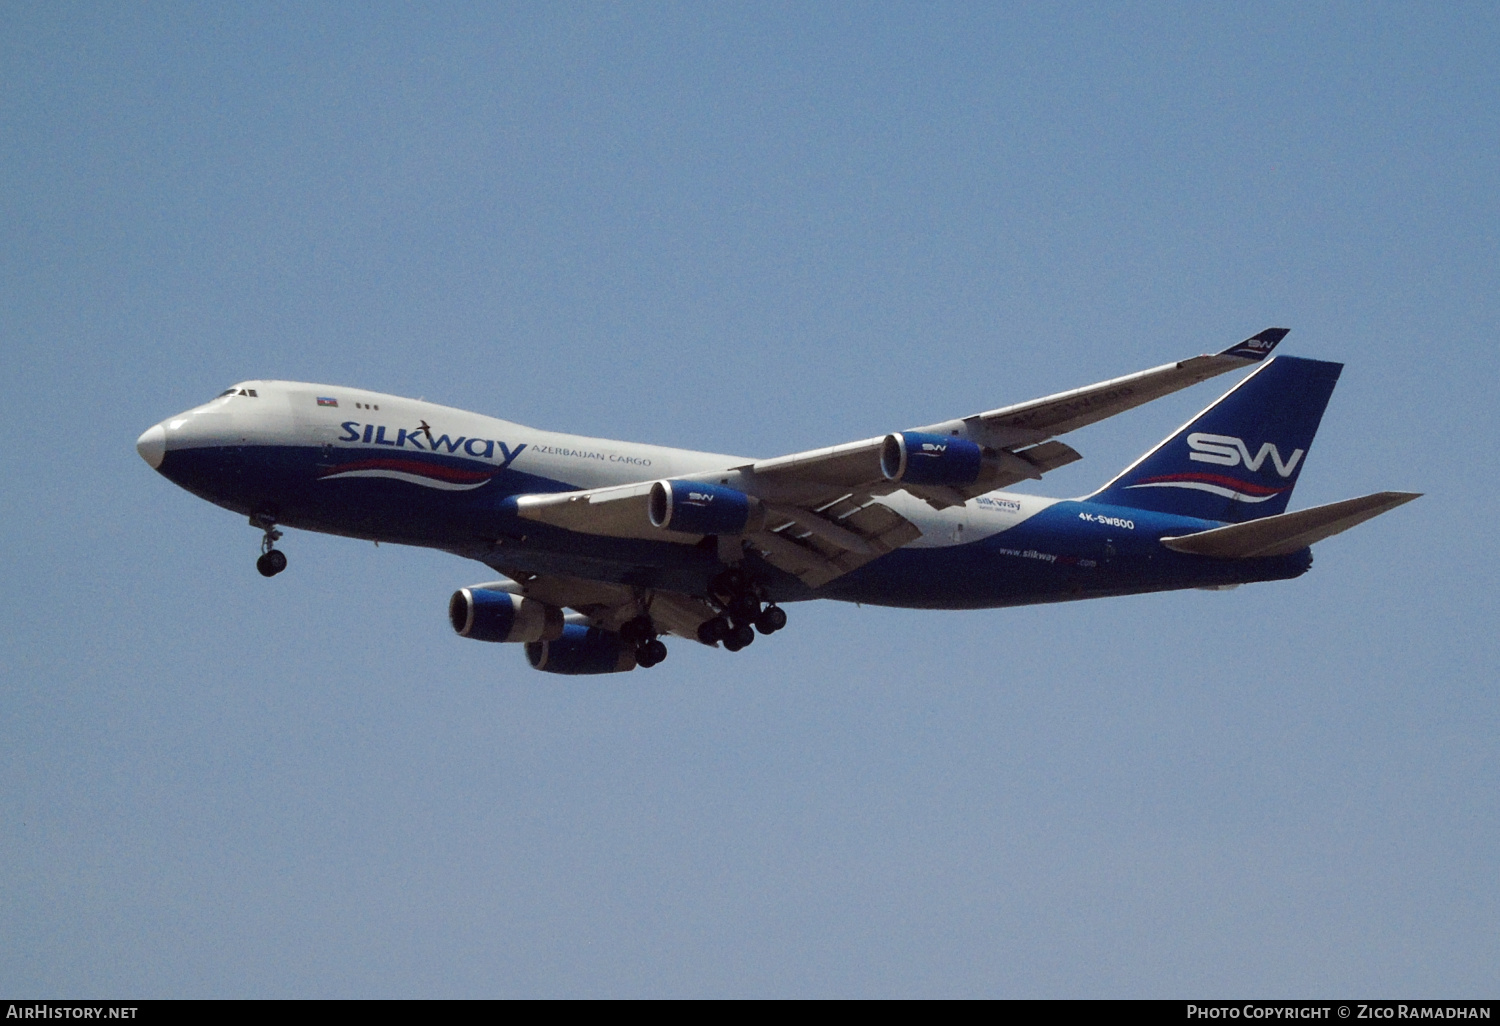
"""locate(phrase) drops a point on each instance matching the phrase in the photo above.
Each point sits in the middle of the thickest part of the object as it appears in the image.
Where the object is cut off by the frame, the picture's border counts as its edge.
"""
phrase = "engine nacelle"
(912, 457)
(693, 507)
(582, 650)
(487, 615)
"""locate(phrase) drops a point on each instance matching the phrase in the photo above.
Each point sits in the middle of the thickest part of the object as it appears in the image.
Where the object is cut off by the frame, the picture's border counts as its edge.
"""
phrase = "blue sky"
(751, 229)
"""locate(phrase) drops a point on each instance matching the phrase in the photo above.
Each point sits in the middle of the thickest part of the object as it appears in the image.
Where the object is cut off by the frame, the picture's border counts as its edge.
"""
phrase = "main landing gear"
(742, 613)
(272, 560)
(640, 633)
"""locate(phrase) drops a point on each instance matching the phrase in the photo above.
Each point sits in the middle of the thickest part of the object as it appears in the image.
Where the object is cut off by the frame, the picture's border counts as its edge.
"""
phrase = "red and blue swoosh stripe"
(1217, 484)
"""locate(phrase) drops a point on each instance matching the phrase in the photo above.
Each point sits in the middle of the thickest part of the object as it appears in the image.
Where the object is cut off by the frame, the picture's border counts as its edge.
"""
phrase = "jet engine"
(580, 649)
(693, 507)
(915, 458)
(489, 615)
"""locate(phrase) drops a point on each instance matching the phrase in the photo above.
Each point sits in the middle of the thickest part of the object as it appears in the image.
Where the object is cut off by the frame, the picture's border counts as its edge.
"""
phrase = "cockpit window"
(238, 391)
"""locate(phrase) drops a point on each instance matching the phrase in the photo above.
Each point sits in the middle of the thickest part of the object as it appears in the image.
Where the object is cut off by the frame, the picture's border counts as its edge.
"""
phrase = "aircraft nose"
(152, 445)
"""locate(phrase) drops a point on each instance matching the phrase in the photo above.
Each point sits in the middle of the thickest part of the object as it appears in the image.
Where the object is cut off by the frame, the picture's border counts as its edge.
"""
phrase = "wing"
(818, 514)
(1029, 423)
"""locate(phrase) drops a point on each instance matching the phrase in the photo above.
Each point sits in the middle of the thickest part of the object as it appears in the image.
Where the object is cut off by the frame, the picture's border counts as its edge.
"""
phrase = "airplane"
(608, 546)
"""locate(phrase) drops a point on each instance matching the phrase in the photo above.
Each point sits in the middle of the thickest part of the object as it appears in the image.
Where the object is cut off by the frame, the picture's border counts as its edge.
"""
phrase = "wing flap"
(1287, 532)
(1049, 456)
(817, 547)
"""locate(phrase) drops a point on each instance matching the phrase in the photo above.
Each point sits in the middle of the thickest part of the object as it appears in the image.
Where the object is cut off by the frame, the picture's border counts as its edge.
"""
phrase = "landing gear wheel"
(739, 637)
(651, 653)
(771, 620)
(271, 563)
(712, 631)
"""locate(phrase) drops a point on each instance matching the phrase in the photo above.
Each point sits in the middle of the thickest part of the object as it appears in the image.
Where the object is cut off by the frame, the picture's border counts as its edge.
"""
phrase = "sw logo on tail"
(1228, 451)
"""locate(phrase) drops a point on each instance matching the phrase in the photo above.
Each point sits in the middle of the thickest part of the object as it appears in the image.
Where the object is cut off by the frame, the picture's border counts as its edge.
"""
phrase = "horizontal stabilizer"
(1287, 532)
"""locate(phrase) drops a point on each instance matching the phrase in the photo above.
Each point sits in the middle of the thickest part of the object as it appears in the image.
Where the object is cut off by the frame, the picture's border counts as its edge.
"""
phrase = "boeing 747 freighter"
(606, 547)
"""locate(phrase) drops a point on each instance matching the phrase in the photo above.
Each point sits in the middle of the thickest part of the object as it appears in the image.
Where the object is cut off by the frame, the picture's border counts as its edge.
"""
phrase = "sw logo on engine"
(1228, 451)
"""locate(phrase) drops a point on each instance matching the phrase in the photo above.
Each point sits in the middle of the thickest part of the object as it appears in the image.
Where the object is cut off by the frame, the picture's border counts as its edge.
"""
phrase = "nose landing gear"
(272, 560)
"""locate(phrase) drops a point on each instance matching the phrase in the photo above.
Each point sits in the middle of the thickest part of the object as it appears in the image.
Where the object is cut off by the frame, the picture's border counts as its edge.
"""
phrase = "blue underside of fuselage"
(1054, 556)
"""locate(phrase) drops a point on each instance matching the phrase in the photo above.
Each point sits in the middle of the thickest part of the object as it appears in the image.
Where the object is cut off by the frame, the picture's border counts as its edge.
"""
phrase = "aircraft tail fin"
(1287, 532)
(1239, 459)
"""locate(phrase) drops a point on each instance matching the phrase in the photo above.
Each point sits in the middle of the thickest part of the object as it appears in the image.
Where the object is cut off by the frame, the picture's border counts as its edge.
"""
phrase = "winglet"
(1257, 347)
